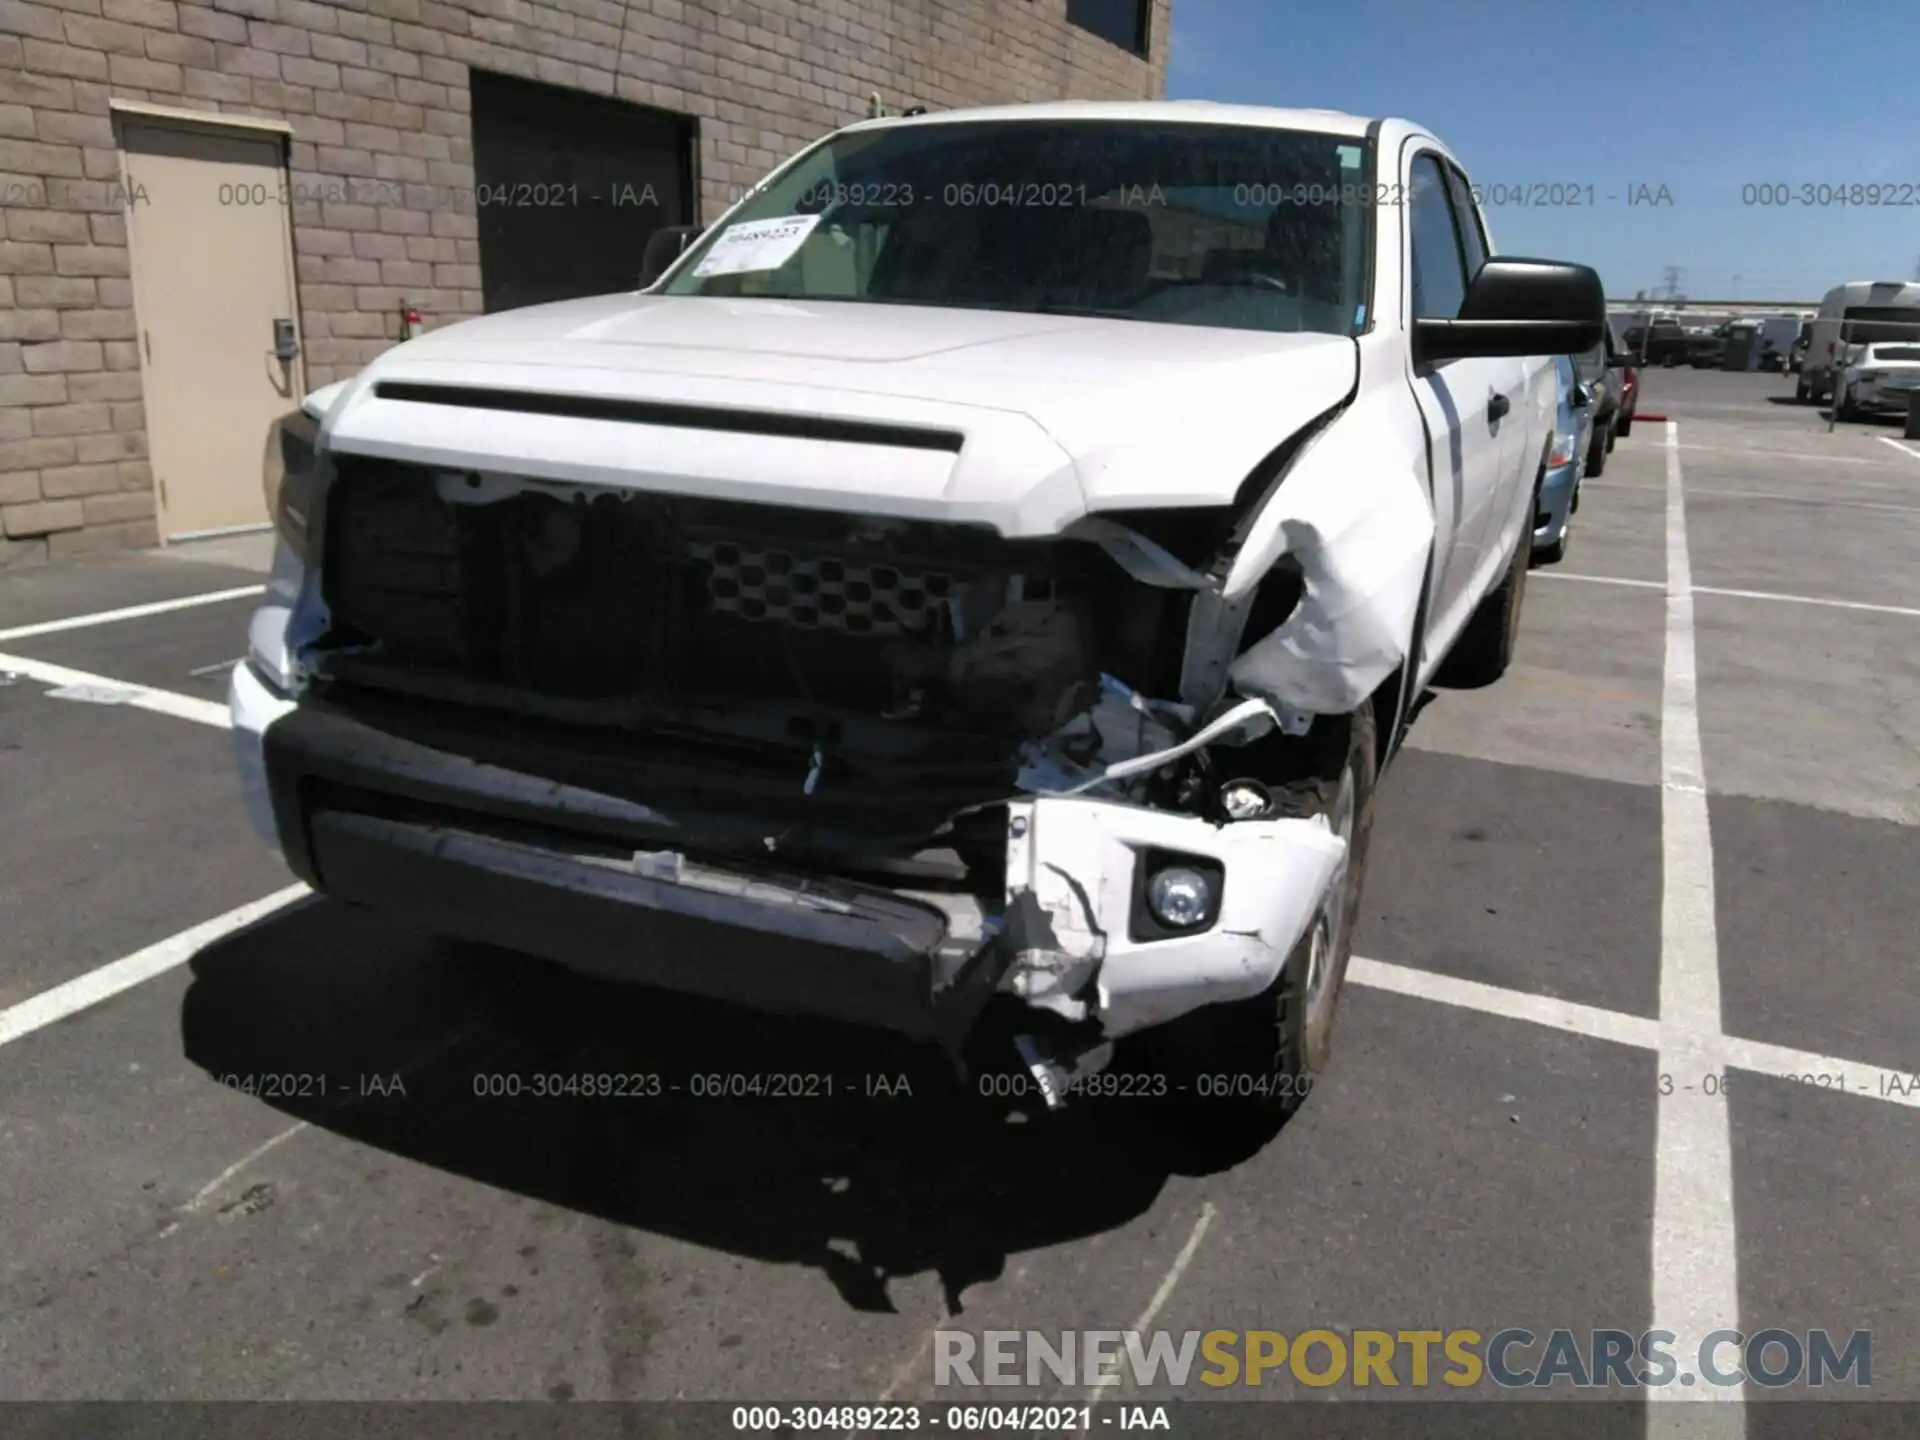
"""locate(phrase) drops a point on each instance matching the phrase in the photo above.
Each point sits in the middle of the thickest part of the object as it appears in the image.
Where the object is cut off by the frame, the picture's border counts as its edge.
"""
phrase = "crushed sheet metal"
(1052, 921)
(1362, 532)
(1145, 561)
(1350, 629)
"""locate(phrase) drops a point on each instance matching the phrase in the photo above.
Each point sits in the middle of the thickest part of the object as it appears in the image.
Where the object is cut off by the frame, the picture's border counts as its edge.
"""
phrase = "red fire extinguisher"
(409, 321)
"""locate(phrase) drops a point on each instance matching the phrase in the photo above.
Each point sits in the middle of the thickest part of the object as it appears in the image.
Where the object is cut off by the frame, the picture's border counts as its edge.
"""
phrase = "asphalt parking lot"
(1672, 859)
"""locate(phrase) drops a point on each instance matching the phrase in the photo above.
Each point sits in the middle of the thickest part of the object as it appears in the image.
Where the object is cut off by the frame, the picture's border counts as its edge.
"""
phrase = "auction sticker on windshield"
(756, 245)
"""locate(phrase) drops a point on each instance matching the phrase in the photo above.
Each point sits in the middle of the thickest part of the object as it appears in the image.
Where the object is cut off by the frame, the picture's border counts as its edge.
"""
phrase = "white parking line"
(1824, 1072)
(130, 612)
(1881, 505)
(1906, 450)
(1796, 454)
(1144, 1323)
(1885, 507)
(1807, 600)
(1695, 1268)
(212, 1188)
(1735, 594)
(1659, 585)
(141, 697)
(109, 980)
(1588, 1020)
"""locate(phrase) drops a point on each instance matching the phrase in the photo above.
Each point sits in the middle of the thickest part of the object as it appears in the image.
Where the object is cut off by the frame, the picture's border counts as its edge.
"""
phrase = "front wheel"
(1625, 427)
(1485, 648)
(1249, 1064)
(1843, 406)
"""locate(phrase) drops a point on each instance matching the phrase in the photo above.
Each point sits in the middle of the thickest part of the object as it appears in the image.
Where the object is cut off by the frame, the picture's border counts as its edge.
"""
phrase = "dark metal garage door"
(568, 186)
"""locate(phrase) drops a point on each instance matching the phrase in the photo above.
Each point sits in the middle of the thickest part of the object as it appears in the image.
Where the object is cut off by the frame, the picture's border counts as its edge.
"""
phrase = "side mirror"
(1519, 307)
(664, 247)
(1581, 397)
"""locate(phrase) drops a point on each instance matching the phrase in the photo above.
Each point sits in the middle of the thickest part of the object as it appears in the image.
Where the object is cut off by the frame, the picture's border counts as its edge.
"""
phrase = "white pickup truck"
(972, 591)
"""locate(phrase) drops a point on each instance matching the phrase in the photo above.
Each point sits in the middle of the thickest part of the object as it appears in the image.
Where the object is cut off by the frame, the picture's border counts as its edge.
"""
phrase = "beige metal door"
(212, 272)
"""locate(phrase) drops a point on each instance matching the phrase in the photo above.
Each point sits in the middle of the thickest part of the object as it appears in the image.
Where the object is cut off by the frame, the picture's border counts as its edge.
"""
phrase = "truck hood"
(1023, 422)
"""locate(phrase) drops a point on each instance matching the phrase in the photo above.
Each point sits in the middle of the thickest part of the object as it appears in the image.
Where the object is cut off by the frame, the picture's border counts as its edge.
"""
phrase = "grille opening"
(936, 645)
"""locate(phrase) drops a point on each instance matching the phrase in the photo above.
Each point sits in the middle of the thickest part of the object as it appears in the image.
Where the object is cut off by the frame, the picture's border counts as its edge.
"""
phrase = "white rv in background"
(1860, 312)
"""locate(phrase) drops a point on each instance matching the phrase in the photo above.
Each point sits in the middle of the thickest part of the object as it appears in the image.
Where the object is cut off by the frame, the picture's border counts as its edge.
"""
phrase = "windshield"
(1863, 324)
(1212, 225)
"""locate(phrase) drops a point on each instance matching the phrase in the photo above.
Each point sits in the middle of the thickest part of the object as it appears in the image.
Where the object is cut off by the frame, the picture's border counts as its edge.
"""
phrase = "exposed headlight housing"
(287, 474)
(1563, 447)
(1245, 800)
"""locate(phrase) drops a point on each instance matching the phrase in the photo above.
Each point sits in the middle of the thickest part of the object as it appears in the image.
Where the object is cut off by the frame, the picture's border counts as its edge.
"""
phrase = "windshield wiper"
(1054, 307)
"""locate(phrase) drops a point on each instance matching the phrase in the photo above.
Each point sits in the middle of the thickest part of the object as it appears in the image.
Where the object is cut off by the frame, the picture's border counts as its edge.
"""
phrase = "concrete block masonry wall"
(378, 90)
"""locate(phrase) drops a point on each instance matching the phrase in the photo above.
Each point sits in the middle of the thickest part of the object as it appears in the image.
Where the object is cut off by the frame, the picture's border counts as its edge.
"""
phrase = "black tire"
(1556, 552)
(1485, 648)
(1248, 1065)
(1613, 433)
(1802, 391)
(1843, 406)
(1598, 447)
(1625, 427)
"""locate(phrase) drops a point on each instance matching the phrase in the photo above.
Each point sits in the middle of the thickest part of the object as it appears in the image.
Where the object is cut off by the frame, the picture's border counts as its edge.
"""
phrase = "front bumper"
(596, 883)
(1555, 507)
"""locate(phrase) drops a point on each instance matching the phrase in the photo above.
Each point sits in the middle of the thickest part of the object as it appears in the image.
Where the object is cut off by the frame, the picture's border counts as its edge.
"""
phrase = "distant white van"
(1860, 312)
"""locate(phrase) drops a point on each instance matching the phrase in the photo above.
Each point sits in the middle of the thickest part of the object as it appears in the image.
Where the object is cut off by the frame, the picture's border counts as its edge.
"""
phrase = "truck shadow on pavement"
(868, 1159)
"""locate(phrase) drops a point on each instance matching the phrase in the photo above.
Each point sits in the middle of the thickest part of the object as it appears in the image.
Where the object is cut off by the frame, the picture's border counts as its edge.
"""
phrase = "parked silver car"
(1566, 463)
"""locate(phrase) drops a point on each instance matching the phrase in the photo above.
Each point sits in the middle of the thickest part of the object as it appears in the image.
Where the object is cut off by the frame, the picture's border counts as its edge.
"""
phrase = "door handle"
(286, 343)
(1498, 405)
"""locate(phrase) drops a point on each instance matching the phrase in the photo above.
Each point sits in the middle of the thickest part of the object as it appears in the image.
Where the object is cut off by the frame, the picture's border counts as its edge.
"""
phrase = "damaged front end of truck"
(919, 770)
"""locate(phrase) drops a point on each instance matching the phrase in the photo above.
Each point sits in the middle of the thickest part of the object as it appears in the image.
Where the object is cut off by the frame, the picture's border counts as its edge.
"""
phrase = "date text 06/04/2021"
(1888, 1085)
(421, 196)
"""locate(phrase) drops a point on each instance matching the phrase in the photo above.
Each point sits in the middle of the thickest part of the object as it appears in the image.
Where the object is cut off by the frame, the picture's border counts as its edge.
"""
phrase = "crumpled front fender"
(1354, 512)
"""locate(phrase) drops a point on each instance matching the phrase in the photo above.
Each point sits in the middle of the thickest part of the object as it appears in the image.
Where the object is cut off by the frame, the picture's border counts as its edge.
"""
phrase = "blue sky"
(1701, 96)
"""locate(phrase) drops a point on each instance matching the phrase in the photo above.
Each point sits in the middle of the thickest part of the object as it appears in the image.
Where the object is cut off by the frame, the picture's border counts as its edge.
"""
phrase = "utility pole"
(1672, 284)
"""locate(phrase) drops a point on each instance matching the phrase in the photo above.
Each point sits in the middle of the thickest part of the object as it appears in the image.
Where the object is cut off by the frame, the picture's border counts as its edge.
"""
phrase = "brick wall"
(377, 90)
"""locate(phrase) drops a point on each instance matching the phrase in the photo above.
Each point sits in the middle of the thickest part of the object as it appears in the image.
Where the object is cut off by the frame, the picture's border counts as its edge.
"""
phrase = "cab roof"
(1208, 112)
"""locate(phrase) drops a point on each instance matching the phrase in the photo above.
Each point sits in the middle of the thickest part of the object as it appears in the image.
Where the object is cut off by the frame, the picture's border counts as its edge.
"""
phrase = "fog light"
(1179, 896)
(1244, 799)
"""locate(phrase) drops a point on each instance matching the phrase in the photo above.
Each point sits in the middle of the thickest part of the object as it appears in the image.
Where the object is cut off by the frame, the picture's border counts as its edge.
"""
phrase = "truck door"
(1521, 431)
(1471, 405)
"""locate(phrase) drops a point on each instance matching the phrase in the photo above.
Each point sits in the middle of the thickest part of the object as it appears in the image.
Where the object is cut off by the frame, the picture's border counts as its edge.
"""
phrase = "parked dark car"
(1662, 342)
(1707, 352)
(1603, 371)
